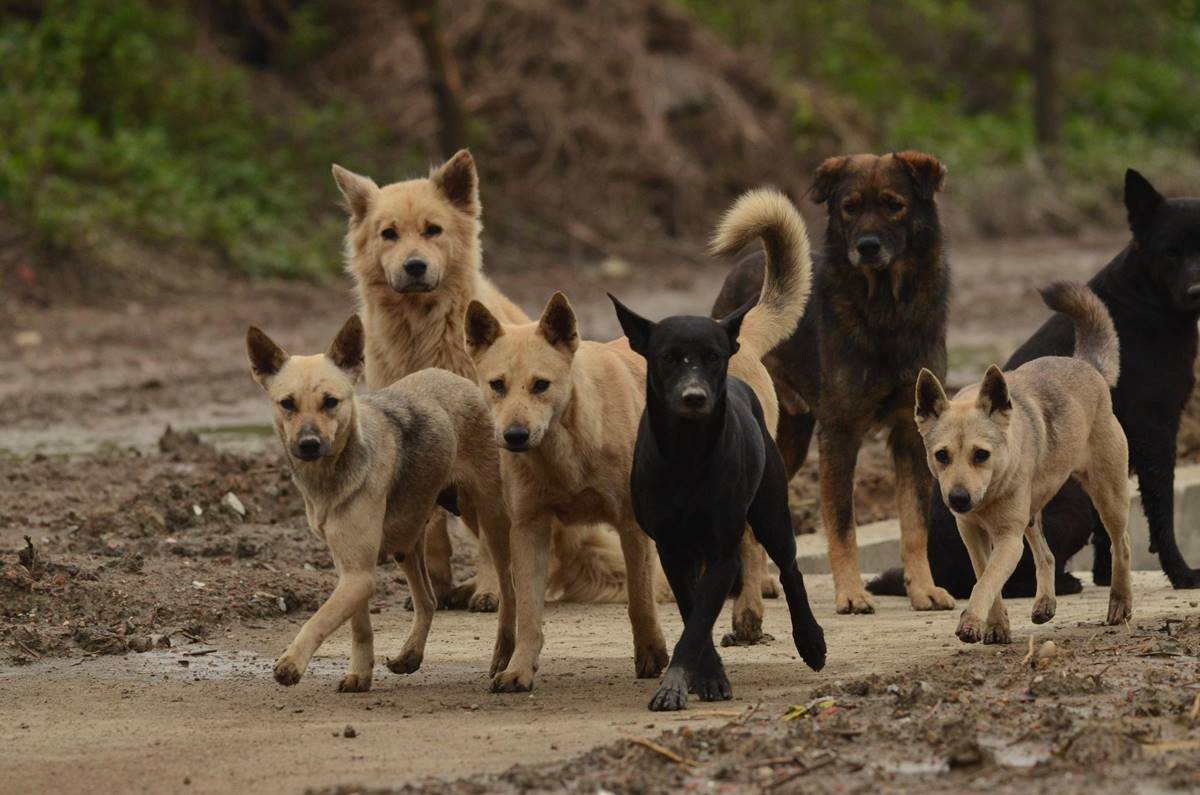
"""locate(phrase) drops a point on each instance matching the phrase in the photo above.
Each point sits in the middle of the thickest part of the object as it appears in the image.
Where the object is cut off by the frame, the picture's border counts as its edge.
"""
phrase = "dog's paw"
(811, 645)
(287, 672)
(409, 661)
(712, 685)
(1120, 608)
(512, 682)
(672, 694)
(858, 601)
(1185, 579)
(970, 628)
(1043, 609)
(649, 661)
(747, 629)
(997, 633)
(483, 602)
(354, 683)
(930, 598)
(502, 654)
(771, 589)
(458, 597)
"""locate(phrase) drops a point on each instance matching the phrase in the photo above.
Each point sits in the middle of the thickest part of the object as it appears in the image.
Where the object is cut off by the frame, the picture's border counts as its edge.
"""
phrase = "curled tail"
(769, 215)
(1095, 336)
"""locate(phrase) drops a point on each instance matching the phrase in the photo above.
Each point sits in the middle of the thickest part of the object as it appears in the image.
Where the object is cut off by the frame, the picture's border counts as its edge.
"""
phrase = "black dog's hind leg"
(1156, 482)
(1101, 556)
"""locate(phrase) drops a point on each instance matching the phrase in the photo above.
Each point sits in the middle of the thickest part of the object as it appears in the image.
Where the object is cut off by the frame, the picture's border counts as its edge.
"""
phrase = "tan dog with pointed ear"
(371, 470)
(1002, 448)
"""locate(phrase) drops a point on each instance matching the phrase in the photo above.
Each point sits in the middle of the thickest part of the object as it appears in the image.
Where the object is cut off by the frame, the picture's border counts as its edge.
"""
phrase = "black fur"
(705, 466)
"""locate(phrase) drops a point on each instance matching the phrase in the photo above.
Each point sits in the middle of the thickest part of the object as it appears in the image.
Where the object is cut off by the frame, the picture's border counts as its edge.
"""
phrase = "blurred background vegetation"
(204, 131)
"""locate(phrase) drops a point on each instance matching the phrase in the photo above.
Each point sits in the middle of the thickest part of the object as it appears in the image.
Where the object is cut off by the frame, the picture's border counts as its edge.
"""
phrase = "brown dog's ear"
(346, 350)
(927, 172)
(266, 358)
(993, 393)
(459, 182)
(826, 178)
(558, 325)
(637, 328)
(357, 190)
(482, 329)
(931, 398)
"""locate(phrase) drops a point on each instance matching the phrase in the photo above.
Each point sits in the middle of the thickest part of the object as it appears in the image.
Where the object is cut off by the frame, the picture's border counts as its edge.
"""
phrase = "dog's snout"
(959, 499)
(869, 246)
(415, 267)
(695, 398)
(516, 437)
(309, 447)
(1194, 290)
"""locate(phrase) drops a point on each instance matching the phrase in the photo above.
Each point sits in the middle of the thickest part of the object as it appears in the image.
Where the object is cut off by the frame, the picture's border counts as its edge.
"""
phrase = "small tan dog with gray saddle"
(371, 470)
(1002, 448)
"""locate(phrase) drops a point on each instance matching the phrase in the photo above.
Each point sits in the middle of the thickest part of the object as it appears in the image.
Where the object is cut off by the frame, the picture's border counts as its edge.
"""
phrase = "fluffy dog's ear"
(927, 172)
(558, 324)
(826, 178)
(993, 394)
(732, 323)
(357, 190)
(931, 398)
(483, 329)
(346, 350)
(266, 358)
(637, 328)
(459, 182)
(1141, 202)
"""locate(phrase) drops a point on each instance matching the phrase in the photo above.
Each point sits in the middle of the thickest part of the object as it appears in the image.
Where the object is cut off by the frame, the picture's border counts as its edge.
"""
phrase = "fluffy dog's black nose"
(309, 447)
(415, 267)
(516, 437)
(869, 247)
(960, 500)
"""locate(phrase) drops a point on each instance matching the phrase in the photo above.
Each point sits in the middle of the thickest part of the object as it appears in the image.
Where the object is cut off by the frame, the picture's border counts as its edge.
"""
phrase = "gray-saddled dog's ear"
(732, 323)
(266, 358)
(459, 182)
(558, 324)
(826, 178)
(931, 398)
(483, 329)
(357, 190)
(346, 350)
(637, 328)
(1141, 202)
(993, 393)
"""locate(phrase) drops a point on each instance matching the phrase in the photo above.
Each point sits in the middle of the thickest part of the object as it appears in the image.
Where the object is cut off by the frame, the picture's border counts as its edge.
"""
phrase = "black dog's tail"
(1095, 336)
(769, 215)
(890, 583)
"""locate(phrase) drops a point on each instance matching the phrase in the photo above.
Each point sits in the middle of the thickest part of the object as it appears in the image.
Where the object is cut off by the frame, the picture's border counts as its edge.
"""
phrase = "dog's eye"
(432, 230)
(288, 404)
(390, 234)
(981, 456)
(497, 385)
(851, 206)
(540, 386)
(893, 205)
(709, 357)
(330, 402)
(942, 456)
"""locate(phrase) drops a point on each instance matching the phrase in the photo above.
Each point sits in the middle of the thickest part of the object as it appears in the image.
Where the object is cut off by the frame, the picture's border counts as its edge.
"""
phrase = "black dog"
(1152, 291)
(704, 466)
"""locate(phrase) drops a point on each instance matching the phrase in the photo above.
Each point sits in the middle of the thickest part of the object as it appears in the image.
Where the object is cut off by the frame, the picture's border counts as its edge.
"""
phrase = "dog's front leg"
(839, 451)
(1044, 603)
(353, 592)
(649, 647)
(529, 547)
(913, 483)
(991, 571)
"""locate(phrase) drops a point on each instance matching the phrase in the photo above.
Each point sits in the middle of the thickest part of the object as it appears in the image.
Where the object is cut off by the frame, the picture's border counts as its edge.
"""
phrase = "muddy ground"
(164, 569)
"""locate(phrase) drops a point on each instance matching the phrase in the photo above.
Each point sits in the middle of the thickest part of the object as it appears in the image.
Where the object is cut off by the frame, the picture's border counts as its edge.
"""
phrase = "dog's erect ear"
(459, 182)
(732, 323)
(483, 329)
(993, 394)
(1141, 202)
(637, 328)
(266, 358)
(826, 178)
(927, 172)
(558, 324)
(357, 190)
(346, 350)
(931, 398)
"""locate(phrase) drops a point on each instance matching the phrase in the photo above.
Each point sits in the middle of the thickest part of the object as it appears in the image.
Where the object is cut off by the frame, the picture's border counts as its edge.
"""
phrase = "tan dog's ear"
(826, 178)
(357, 190)
(927, 172)
(993, 393)
(459, 182)
(931, 398)
(558, 325)
(266, 358)
(346, 350)
(482, 329)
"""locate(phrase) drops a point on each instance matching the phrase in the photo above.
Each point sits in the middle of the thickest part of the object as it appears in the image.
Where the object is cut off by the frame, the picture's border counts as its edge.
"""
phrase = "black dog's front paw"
(712, 686)
(1185, 579)
(672, 694)
(811, 645)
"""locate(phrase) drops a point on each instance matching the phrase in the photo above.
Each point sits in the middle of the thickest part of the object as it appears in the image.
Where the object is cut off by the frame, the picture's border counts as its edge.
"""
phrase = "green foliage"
(112, 121)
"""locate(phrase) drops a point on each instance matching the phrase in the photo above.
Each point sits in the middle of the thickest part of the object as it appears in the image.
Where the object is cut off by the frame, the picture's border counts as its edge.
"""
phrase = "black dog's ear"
(993, 393)
(357, 190)
(558, 325)
(483, 329)
(826, 178)
(266, 358)
(732, 323)
(459, 182)
(346, 350)
(637, 328)
(927, 172)
(931, 398)
(1141, 202)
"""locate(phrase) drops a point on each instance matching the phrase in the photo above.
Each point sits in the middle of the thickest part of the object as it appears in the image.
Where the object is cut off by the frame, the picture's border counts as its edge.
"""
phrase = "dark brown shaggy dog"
(876, 317)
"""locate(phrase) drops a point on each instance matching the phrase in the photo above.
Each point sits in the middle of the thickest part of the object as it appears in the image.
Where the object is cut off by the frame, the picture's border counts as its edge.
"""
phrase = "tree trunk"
(1047, 102)
(444, 79)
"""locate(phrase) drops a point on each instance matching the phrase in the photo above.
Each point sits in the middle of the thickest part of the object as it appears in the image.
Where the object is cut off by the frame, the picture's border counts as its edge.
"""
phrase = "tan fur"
(1009, 443)
(384, 458)
(411, 331)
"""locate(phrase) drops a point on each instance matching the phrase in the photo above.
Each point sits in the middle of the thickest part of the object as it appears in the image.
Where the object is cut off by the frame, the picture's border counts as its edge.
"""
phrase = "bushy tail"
(1095, 336)
(890, 583)
(768, 214)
